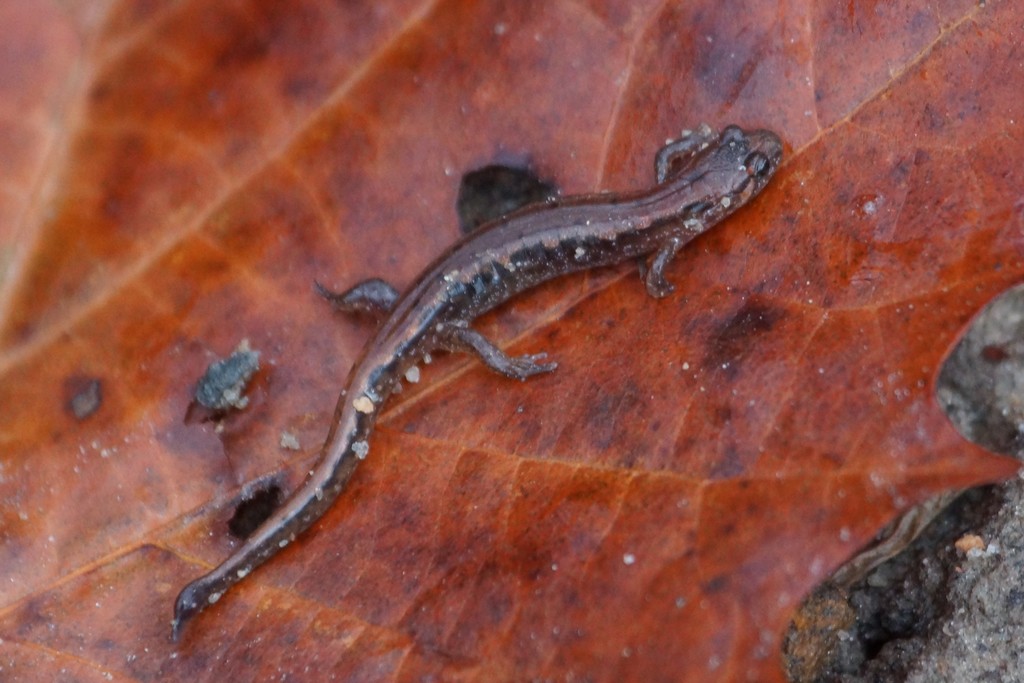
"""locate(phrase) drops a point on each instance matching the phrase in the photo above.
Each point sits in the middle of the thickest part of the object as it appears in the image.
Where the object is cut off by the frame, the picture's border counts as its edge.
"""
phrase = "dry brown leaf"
(176, 175)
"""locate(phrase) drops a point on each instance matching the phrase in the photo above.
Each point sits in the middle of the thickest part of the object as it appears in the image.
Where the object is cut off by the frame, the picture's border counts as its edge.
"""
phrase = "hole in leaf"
(491, 192)
(878, 625)
(254, 510)
(981, 384)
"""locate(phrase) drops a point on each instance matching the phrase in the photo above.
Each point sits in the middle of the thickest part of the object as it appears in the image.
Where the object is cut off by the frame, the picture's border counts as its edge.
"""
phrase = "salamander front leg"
(654, 274)
(676, 154)
(469, 340)
(373, 296)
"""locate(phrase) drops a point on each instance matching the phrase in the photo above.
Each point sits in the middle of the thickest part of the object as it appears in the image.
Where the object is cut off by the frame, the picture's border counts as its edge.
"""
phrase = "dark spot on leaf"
(715, 584)
(84, 396)
(729, 465)
(246, 49)
(730, 344)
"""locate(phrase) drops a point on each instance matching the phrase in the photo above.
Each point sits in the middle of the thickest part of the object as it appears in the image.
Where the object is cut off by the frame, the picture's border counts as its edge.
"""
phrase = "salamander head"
(742, 163)
(729, 172)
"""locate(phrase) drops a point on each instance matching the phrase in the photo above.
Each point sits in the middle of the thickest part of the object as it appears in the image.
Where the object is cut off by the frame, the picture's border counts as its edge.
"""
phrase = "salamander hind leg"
(519, 367)
(654, 274)
(676, 154)
(373, 296)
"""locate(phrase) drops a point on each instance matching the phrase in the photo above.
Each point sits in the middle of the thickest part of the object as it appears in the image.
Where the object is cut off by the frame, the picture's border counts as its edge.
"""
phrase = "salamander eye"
(757, 164)
(732, 134)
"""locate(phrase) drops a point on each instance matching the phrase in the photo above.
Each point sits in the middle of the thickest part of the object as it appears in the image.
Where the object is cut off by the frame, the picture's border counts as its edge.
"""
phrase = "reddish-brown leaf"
(176, 175)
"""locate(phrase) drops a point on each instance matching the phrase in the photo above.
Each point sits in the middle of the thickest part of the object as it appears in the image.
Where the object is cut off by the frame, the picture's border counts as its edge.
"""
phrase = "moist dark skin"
(701, 179)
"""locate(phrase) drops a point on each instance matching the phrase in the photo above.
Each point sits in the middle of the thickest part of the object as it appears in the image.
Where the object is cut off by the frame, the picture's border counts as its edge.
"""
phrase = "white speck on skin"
(282, 543)
(427, 359)
(412, 375)
(361, 448)
(580, 252)
(242, 573)
(363, 404)
(628, 559)
(726, 201)
(214, 597)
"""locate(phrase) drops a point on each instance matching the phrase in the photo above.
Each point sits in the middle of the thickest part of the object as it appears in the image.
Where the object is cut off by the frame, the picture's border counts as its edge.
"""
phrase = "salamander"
(702, 178)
